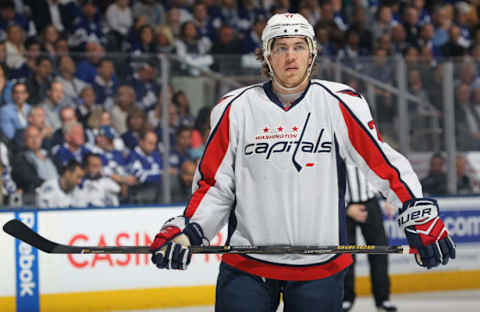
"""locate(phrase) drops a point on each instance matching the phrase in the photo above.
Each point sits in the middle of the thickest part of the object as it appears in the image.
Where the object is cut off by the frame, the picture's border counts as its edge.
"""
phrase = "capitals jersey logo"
(289, 140)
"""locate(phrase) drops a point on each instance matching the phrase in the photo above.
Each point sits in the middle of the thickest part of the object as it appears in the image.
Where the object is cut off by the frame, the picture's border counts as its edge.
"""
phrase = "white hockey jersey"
(101, 192)
(277, 176)
(51, 195)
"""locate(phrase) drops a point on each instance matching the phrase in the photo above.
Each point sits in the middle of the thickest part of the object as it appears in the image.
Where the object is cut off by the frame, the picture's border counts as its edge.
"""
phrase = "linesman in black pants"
(363, 209)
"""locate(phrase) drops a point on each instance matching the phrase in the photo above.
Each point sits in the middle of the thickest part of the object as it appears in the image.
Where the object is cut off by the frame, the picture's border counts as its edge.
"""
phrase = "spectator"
(136, 125)
(13, 116)
(435, 183)
(154, 116)
(145, 163)
(193, 49)
(253, 39)
(39, 83)
(410, 22)
(51, 12)
(113, 160)
(173, 125)
(36, 118)
(87, 104)
(452, 48)
(99, 118)
(49, 36)
(164, 41)
(464, 182)
(442, 23)
(87, 27)
(360, 24)
(226, 50)
(5, 87)
(15, 47)
(462, 10)
(145, 85)
(105, 83)
(153, 11)
(73, 147)
(384, 22)
(124, 102)
(181, 151)
(427, 32)
(99, 190)
(34, 51)
(119, 19)
(61, 47)
(325, 45)
(351, 54)
(32, 167)
(174, 21)
(180, 100)
(72, 86)
(467, 123)
(9, 17)
(181, 187)
(202, 22)
(9, 191)
(200, 132)
(144, 48)
(399, 42)
(423, 14)
(66, 114)
(87, 68)
(52, 104)
(63, 192)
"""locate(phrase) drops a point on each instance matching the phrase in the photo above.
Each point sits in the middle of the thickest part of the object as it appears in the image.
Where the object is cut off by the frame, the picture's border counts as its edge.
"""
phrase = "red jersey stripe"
(213, 156)
(373, 156)
(286, 272)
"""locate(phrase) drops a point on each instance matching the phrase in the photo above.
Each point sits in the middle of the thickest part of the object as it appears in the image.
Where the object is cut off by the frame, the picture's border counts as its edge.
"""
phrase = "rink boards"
(35, 281)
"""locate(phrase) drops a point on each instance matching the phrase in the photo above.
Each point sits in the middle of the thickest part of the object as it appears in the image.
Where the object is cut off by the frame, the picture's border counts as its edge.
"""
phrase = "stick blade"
(19, 230)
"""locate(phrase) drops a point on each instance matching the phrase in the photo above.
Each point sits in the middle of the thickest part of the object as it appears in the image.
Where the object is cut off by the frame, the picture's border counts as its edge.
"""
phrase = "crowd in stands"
(81, 103)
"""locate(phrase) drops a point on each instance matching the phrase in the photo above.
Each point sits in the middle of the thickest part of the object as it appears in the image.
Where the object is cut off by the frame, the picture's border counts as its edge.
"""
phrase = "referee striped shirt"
(358, 188)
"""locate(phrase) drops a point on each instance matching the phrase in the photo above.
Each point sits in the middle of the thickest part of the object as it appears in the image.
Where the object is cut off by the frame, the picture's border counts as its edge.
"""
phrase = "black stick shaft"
(22, 232)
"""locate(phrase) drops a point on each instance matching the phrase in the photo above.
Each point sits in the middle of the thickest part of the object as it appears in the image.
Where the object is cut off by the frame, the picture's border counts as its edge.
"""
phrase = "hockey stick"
(22, 232)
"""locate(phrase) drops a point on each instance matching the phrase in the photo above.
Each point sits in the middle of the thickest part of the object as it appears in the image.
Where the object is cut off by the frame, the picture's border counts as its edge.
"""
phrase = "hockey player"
(274, 169)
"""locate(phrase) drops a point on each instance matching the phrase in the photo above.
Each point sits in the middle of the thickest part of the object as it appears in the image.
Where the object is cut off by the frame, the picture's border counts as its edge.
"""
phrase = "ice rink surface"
(445, 301)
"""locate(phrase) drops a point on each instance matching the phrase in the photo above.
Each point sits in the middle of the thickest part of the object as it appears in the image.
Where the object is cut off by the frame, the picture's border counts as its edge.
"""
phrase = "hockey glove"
(426, 232)
(170, 249)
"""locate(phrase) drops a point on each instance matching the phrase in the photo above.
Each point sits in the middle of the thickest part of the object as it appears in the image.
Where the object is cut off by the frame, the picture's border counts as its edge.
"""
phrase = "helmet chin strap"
(287, 89)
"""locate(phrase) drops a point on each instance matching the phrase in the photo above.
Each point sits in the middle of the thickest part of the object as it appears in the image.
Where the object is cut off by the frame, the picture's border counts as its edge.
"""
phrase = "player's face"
(290, 59)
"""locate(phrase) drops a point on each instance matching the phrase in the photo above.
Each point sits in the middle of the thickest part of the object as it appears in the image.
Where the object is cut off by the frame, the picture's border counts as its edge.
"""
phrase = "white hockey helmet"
(288, 25)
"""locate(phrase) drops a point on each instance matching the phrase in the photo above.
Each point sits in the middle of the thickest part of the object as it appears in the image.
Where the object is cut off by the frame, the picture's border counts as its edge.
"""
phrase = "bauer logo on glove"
(426, 232)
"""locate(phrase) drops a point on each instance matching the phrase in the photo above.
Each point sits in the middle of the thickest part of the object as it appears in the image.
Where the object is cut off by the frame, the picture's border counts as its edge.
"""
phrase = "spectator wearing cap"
(145, 163)
(87, 27)
(72, 86)
(73, 147)
(99, 190)
(145, 86)
(105, 83)
(113, 162)
(32, 166)
(13, 116)
(151, 9)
